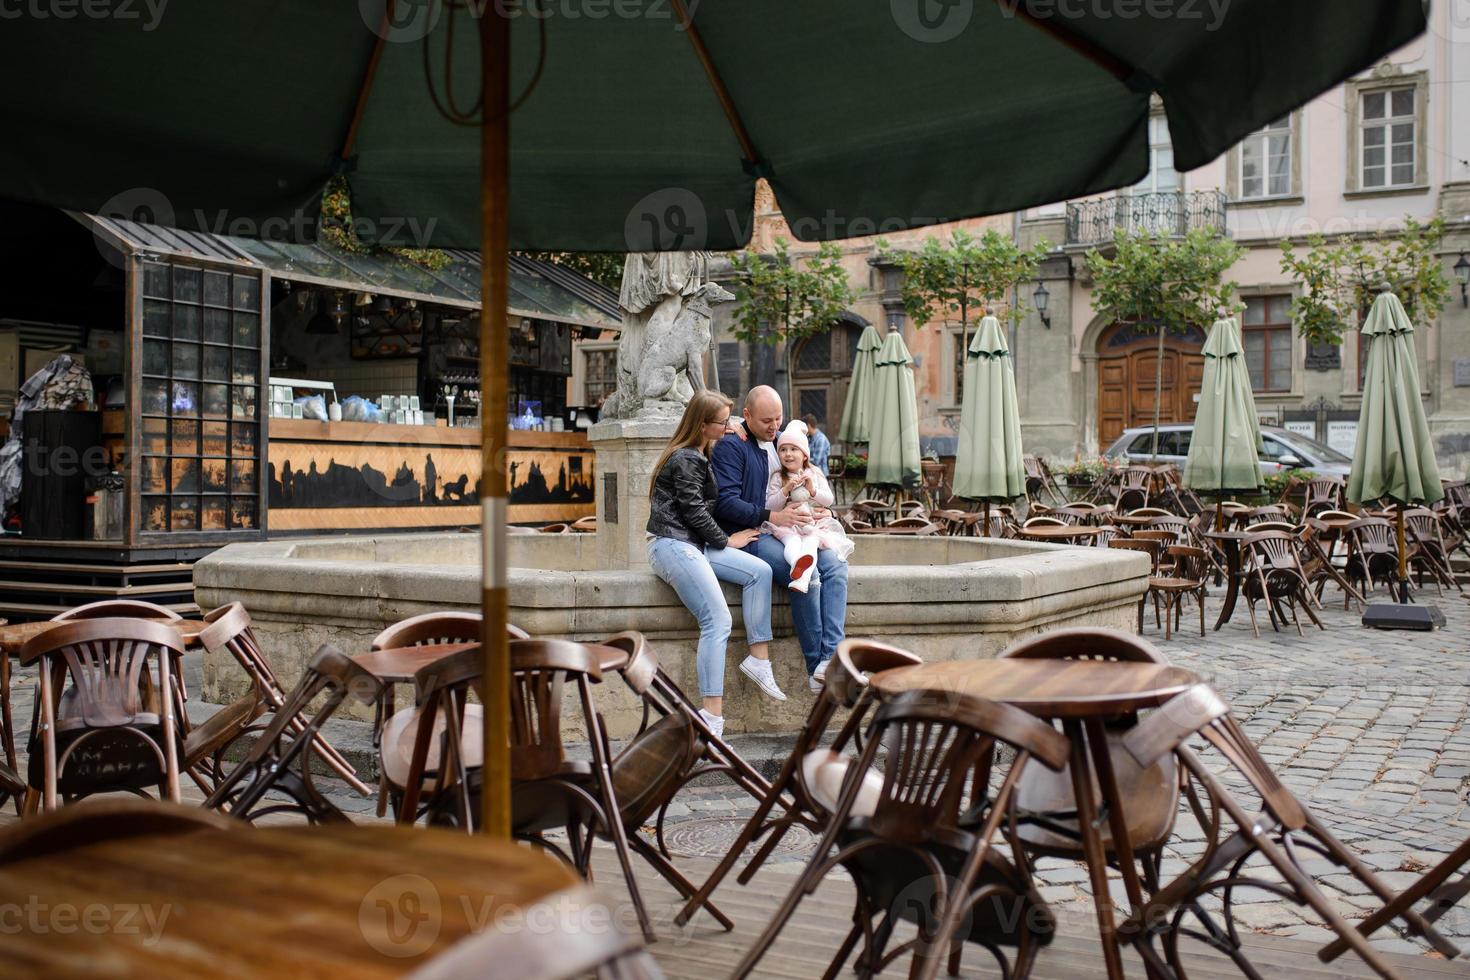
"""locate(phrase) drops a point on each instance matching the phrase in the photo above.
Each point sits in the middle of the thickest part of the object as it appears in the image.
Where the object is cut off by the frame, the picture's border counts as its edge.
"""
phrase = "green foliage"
(1277, 484)
(1081, 472)
(785, 299)
(968, 273)
(1164, 283)
(604, 268)
(1339, 280)
(336, 230)
(855, 464)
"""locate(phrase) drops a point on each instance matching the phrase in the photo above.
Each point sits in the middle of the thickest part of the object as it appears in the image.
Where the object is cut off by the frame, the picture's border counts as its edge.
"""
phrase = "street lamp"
(1041, 298)
(1462, 273)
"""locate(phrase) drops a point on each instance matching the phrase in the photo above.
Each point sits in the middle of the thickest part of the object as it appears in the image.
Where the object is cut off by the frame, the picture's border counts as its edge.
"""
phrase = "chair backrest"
(934, 744)
(1073, 514)
(910, 522)
(1154, 549)
(584, 525)
(539, 671)
(1085, 643)
(1423, 526)
(557, 528)
(1136, 477)
(437, 627)
(1335, 515)
(1263, 526)
(911, 508)
(1150, 512)
(857, 658)
(105, 659)
(229, 629)
(1044, 522)
(1373, 535)
(116, 609)
(1190, 563)
(1272, 551)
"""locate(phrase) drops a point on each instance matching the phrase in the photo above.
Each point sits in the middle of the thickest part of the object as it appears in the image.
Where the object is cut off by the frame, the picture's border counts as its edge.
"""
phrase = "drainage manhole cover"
(714, 836)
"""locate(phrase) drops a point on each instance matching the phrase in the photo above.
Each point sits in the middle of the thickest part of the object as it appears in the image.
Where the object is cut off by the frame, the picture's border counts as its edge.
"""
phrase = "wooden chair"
(103, 820)
(921, 525)
(898, 842)
(1107, 533)
(12, 786)
(1045, 521)
(112, 735)
(1075, 515)
(1432, 885)
(1151, 512)
(280, 760)
(584, 525)
(1424, 540)
(809, 783)
(873, 510)
(229, 629)
(1269, 824)
(1318, 566)
(1322, 493)
(557, 528)
(441, 777)
(1134, 486)
(1046, 800)
(1154, 549)
(1186, 578)
(1273, 573)
(1373, 553)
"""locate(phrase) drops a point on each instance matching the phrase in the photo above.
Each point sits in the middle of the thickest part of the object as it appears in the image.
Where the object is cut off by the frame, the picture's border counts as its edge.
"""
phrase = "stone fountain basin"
(942, 598)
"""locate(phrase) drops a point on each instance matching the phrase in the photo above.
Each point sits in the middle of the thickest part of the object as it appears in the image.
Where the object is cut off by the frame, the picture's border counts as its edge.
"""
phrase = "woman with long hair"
(690, 551)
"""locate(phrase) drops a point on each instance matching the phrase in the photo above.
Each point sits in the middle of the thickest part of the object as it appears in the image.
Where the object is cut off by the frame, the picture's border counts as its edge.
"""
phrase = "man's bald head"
(763, 412)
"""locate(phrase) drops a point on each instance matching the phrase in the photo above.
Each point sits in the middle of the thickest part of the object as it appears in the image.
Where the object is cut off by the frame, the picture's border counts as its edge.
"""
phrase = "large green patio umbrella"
(893, 440)
(1225, 450)
(987, 463)
(236, 116)
(856, 420)
(1394, 456)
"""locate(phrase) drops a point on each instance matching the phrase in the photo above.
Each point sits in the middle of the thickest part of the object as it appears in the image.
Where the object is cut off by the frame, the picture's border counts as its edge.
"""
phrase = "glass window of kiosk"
(200, 386)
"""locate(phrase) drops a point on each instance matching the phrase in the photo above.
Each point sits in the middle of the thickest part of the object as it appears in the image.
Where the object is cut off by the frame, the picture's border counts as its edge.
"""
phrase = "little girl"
(798, 482)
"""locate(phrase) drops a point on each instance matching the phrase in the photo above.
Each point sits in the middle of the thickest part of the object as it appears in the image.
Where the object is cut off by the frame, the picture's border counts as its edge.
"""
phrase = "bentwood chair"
(230, 630)
(116, 609)
(1273, 833)
(114, 732)
(907, 851)
(279, 762)
(1046, 800)
(810, 780)
(1274, 574)
(1372, 553)
(1185, 579)
(1426, 551)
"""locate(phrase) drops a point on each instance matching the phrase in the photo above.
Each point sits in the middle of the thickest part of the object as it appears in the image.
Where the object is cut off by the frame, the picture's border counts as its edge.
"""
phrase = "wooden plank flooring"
(702, 951)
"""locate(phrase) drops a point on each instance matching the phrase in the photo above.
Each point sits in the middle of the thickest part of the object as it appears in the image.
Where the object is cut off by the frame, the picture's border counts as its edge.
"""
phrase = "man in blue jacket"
(742, 468)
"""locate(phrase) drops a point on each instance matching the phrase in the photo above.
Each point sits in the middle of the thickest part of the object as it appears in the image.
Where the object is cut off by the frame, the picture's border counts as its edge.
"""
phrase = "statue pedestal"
(627, 450)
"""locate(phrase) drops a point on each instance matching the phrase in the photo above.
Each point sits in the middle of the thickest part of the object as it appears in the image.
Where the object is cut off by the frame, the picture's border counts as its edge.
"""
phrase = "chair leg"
(671, 874)
(1250, 605)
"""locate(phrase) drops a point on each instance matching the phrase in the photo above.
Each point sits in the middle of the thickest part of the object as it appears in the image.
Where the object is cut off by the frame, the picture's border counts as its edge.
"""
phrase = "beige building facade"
(1393, 141)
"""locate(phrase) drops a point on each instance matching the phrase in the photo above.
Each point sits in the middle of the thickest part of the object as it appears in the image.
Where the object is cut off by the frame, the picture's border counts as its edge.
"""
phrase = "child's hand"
(811, 485)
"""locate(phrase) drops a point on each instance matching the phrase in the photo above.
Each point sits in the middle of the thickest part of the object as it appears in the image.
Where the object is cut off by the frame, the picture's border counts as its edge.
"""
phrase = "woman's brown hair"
(704, 407)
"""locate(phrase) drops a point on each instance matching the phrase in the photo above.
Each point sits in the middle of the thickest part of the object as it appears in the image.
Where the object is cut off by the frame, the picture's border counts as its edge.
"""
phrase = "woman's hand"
(742, 538)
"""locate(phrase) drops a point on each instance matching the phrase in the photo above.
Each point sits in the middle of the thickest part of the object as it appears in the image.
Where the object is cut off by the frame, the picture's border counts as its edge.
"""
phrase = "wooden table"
(1083, 694)
(1230, 544)
(896, 532)
(1055, 534)
(16, 635)
(361, 901)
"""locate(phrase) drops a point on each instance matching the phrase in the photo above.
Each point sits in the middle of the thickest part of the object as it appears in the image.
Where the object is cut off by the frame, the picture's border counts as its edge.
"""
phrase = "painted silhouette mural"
(423, 481)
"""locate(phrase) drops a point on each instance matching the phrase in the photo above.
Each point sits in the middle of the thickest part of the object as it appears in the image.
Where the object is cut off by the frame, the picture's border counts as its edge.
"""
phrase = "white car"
(1283, 450)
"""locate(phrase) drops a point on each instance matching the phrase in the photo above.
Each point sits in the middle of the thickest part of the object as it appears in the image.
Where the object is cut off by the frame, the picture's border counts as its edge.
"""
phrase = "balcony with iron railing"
(1171, 214)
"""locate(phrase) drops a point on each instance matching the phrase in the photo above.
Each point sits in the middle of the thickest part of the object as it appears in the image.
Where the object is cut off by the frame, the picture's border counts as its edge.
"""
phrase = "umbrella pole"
(494, 354)
(1403, 559)
(985, 520)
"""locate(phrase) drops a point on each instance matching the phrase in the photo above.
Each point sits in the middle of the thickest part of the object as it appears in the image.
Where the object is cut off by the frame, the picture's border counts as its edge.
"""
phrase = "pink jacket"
(776, 500)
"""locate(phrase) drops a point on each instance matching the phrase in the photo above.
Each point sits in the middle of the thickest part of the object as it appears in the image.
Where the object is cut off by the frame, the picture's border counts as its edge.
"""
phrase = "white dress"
(802, 542)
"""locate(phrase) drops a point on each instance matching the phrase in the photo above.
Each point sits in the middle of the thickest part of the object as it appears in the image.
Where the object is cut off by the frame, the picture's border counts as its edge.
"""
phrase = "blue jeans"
(695, 574)
(819, 615)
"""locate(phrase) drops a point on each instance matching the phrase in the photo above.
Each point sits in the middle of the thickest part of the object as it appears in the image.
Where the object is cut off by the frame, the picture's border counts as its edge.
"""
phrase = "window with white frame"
(1387, 138)
(1265, 161)
(1161, 173)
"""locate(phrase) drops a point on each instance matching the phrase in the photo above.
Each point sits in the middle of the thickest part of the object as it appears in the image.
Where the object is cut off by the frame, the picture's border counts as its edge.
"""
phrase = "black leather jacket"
(683, 505)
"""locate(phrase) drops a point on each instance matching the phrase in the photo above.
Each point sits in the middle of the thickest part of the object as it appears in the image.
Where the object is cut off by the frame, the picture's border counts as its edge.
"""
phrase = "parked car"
(1283, 450)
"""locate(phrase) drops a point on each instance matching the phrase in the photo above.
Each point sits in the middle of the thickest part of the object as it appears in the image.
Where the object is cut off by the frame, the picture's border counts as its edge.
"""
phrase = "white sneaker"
(760, 672)
(818, 680)
(716, 723)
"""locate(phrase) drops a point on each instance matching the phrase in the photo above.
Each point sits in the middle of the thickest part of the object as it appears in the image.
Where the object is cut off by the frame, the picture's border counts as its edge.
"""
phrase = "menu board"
(1343, 435)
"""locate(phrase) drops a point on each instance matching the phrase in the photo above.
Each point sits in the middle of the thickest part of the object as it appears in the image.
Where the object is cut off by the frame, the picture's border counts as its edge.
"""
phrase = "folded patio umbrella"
(1394, 456)
(893, 442)
(987, 463)
(640, 127)
(856, 421)
(1224, 452)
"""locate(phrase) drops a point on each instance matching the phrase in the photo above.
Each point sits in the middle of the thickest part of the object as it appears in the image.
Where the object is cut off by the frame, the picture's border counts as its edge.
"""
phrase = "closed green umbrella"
(988, 458)
(1393, 456)
(1224, 452)
(856, 418)
(893, 439)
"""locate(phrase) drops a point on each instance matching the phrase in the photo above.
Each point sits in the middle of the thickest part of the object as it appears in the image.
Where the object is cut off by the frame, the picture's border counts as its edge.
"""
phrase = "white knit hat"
(795, 435)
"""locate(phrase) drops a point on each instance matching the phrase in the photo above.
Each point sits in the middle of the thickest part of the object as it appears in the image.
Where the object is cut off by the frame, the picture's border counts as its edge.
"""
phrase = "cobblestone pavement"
(1368, 728)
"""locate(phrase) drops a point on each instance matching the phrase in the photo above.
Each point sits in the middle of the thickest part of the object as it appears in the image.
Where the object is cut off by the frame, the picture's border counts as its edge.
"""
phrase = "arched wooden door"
(1125, 379)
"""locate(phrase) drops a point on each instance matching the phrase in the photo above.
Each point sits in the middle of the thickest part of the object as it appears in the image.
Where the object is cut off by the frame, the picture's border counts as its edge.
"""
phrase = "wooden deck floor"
(702, 951)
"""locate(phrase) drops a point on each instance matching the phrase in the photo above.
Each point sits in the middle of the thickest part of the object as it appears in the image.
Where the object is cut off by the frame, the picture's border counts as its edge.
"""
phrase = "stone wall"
(943, 598)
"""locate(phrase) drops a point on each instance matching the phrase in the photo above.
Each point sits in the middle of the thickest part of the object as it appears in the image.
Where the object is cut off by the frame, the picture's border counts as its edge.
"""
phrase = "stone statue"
(666, 299)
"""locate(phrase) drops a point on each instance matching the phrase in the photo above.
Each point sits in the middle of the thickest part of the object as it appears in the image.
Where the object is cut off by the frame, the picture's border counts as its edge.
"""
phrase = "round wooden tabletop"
(16, 635)
(1051, 532)
(1047, 688)
(397, 665)
(363, 901)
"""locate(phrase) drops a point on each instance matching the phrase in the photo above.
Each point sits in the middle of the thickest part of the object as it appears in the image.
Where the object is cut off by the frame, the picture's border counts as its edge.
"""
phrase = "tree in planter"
(781, 298)
(1166, 285)
(1340, 280)
(965, 274)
